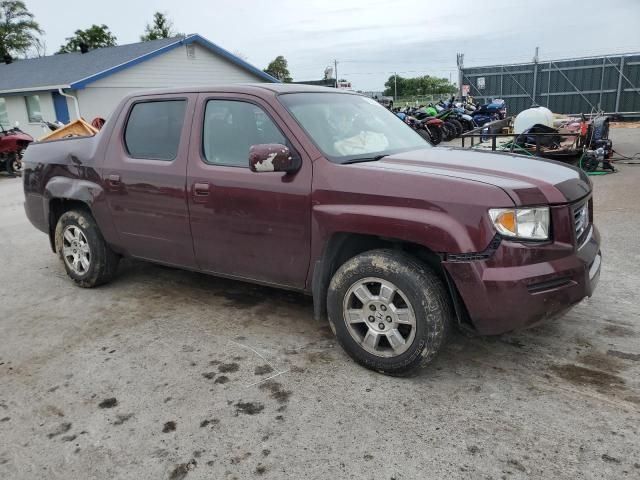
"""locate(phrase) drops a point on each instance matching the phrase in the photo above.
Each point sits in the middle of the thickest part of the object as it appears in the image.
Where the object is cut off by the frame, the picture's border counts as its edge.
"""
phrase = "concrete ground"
(165, 374)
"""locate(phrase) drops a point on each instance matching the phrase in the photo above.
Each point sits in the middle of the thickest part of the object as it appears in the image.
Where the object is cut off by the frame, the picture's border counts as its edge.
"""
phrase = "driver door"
(244, 224)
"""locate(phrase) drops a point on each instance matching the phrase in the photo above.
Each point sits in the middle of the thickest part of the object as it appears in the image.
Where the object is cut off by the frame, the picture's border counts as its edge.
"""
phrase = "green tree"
(425, 85)
(18, 30)
(161, 27)
(279, 69)
(96, 36)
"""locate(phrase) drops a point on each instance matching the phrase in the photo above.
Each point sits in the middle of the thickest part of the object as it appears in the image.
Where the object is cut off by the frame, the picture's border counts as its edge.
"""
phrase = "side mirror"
(272, 157)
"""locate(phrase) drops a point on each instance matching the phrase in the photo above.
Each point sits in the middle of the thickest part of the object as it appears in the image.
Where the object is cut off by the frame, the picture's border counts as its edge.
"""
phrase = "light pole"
(395, 87)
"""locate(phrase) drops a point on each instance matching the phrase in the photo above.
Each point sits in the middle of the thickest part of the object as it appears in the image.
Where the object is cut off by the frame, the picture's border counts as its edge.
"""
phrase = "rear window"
(153, 129)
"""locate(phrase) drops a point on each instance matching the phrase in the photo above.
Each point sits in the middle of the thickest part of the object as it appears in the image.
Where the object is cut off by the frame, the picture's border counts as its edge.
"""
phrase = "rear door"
(144, 176)
(246, 224)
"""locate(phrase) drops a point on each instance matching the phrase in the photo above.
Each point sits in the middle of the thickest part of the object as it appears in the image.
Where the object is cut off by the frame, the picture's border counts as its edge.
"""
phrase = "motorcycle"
(428, 127)
(13, 143)
(496, 110)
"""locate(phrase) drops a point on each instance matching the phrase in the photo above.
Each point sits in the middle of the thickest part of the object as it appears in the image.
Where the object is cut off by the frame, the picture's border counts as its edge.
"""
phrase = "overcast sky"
(370, 39)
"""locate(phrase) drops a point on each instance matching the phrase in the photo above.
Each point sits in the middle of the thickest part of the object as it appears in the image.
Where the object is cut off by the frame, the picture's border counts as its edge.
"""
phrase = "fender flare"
(435, 230)
(65, 188)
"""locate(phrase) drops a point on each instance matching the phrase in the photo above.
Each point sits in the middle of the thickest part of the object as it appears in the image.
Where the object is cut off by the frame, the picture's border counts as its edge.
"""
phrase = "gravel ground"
(166, 374)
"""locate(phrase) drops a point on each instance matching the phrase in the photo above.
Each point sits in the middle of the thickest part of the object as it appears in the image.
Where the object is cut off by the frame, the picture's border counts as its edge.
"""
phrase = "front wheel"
(390, 312)
(426, 135)
(86, 257)
(436, 134)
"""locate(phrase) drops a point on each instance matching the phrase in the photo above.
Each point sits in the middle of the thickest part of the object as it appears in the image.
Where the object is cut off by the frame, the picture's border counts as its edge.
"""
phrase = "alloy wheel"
(75, 250)
(379, 317)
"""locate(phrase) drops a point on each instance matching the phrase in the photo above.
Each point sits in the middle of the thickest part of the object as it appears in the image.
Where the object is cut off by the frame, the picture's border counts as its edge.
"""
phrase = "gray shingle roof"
(67, 68)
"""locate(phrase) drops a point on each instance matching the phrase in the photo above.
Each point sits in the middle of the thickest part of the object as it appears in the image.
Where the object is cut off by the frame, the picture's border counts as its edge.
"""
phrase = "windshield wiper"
(366, 159)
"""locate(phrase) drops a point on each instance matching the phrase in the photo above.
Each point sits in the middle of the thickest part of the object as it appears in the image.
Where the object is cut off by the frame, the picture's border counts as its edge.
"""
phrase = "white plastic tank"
(531, 116)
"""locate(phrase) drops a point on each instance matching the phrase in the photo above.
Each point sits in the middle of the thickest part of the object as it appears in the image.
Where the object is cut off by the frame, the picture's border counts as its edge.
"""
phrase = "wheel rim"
(75, 250)
(379, 317)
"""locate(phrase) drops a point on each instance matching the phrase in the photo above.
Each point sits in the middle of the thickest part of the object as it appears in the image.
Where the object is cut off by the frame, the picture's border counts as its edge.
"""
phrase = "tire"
(424, 134)
(448, 132)
(86, 257)
(12, 165)
(436, 134)
(418, 292)
(457, 125)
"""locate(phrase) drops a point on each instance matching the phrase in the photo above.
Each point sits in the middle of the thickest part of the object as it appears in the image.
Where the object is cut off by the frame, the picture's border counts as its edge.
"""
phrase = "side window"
(231, 127)
(153, 129)
(33, 108)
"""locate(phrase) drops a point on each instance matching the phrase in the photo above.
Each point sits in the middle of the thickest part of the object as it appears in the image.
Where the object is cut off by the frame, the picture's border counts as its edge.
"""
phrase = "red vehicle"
(13, 143)
(327, 193)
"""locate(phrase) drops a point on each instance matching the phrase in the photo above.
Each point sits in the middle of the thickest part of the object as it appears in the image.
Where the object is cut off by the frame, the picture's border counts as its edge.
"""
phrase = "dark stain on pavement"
(228, 367)
(249, 408)
(263, 369)
(209, 375)
(275, 391)
(221, 379)
(60, 429)
(169, 427)
(323, 356)
(586, 376)
(213, 421)
(242, 300)
(120, 419)
(617, 331)
(108, 403)
(624, 355)
(181, 470)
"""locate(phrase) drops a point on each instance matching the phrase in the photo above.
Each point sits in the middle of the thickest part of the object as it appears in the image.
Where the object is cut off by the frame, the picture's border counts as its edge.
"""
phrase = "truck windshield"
(350, 128)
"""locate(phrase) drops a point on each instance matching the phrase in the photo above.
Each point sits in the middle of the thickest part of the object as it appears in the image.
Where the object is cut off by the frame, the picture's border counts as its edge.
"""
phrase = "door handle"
(200, 189)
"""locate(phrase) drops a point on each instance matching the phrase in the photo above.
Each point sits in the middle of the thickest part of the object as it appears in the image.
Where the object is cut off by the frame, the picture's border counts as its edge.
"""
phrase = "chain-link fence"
(579, 85)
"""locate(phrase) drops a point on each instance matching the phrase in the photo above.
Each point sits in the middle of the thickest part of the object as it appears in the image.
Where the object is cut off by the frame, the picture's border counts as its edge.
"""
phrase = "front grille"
(581, 221)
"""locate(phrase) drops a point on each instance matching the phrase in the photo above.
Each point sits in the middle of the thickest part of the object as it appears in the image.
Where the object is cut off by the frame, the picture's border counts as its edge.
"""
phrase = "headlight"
(523, 223)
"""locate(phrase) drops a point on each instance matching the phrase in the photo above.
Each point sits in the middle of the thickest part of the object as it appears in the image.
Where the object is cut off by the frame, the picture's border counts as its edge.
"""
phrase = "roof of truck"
(255, 88)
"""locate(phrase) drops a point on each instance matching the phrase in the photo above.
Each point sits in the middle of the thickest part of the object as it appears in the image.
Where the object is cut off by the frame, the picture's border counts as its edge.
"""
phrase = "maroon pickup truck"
(327, 193)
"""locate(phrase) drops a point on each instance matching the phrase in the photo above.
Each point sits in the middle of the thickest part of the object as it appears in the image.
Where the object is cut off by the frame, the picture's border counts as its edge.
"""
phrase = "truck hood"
(528, 181)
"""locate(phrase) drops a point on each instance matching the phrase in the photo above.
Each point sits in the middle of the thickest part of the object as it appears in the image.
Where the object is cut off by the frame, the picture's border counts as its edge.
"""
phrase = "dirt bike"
(13, 143)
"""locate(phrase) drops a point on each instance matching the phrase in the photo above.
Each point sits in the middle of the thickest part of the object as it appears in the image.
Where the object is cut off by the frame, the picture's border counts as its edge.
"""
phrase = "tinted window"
(231, 128)
(154, 128)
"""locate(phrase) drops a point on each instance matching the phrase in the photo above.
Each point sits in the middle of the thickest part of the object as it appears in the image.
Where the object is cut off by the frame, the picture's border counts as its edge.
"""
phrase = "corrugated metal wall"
(610, 83)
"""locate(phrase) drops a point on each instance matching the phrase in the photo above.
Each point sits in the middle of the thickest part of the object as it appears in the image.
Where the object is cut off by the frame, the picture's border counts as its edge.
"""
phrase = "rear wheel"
(86, 257)
(390, 312)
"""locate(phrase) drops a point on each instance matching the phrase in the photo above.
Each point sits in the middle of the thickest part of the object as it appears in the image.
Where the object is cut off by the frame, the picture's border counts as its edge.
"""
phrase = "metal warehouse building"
(580, 85)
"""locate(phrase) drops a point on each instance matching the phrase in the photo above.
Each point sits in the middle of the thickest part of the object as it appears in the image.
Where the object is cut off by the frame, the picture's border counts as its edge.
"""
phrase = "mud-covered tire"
(102, 262)
(425, 293)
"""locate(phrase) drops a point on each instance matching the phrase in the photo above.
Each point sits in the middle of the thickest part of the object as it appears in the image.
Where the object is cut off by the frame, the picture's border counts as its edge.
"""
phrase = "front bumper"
(517, 288)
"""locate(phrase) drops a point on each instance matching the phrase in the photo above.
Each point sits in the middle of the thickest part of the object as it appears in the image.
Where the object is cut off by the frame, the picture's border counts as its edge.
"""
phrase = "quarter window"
(4, 117)
(33, 108)
(154, 128)
(231, 127)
